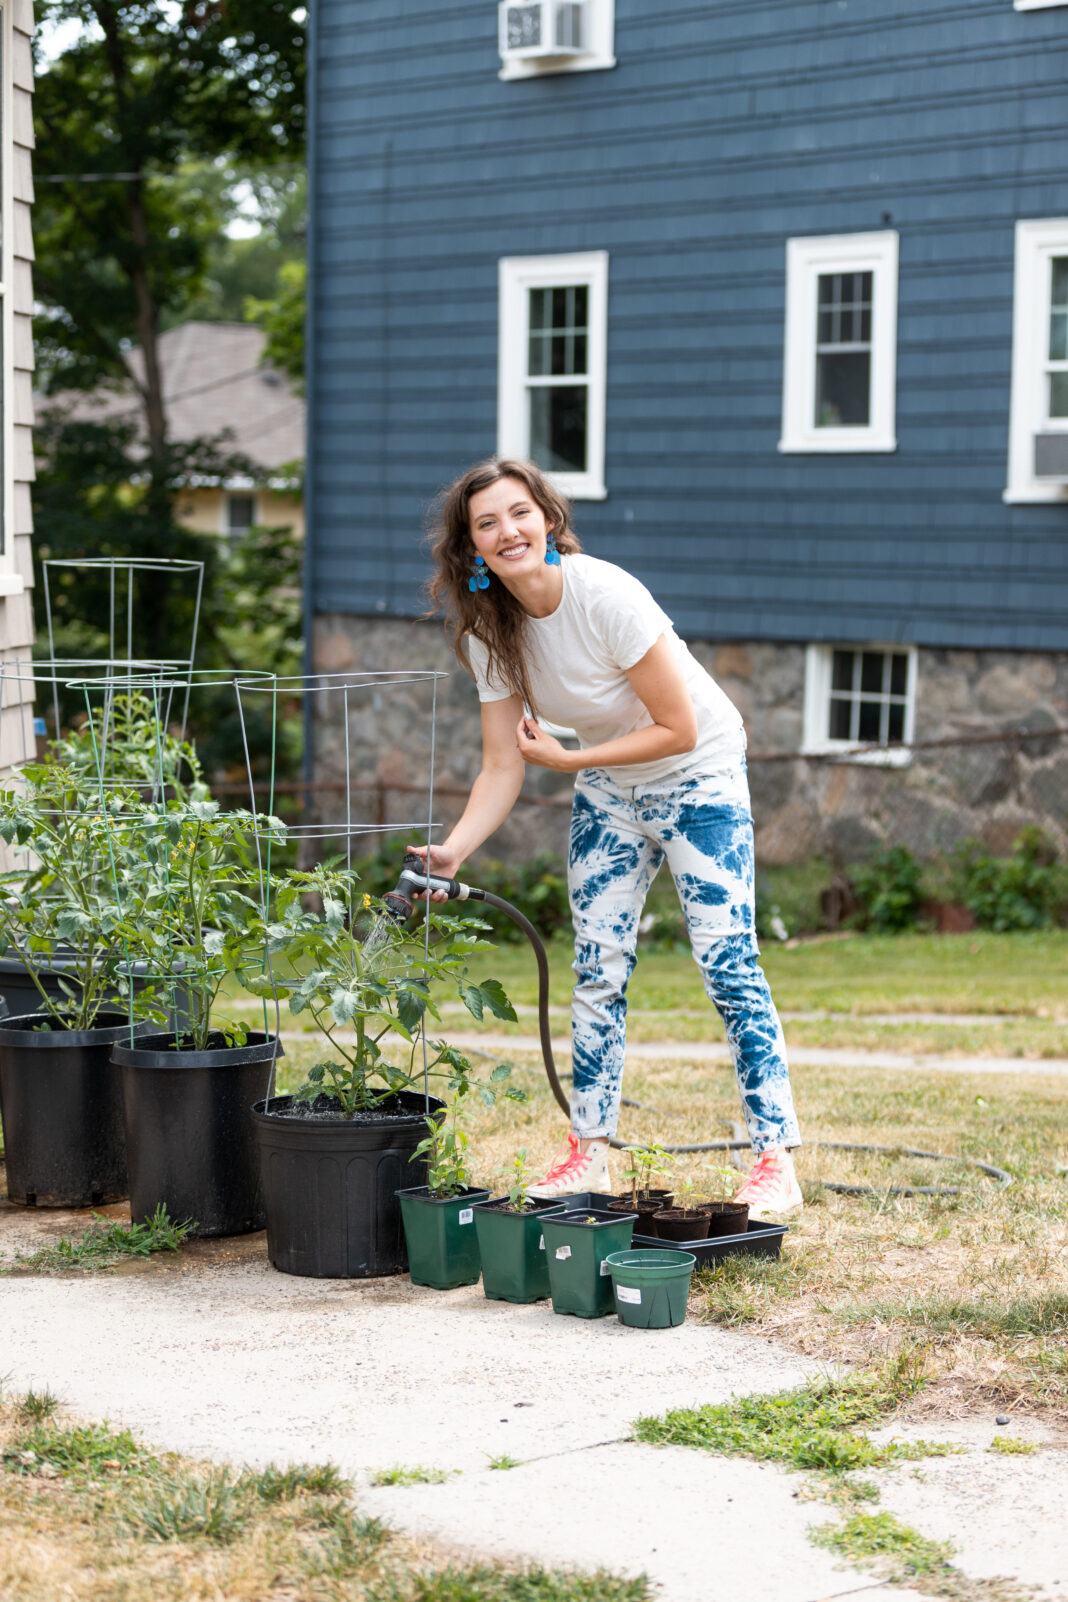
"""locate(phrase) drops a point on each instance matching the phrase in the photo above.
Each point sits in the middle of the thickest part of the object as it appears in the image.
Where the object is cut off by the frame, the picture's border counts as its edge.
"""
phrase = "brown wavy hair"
(493, 616)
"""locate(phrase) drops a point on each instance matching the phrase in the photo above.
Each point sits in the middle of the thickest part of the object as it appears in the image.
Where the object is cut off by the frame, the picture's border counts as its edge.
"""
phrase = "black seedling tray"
(760, 1240)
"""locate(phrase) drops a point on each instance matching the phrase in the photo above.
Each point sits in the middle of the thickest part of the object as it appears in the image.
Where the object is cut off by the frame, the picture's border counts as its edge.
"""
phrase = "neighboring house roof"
(212, 382)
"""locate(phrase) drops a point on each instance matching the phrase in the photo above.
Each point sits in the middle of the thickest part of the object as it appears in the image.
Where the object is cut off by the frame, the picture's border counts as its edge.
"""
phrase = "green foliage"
(1040, 1315)
(519, 1178)
(888, 889)
(882, 1539)
(353, 967)
(273, 1484)
(1028, 890)
(212, 1506)
(78, 1449)
(282, 320)
(60, 895)
(105, 1243)
(486, 1583)
(1011, 1446)
(504, 1462)
(807, 1428)
(644, 1164)
(415, 1474)
(36, 1407)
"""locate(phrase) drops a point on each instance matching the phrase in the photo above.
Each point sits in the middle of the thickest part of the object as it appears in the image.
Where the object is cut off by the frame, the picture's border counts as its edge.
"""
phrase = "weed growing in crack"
(36, 1407)
(504, 1462)
(106, 1243)
(415, 1475)
(1011, 1446)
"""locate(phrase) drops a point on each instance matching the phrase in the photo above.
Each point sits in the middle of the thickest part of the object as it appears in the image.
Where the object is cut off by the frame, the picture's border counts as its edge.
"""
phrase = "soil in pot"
(330, 1183)
(512, 1248)
(651, 1288)
(576, 1246)
(442, 1239)
(62, 1110)
(680, 1223)
(646, 1210)
(189, 1129)
(727, 1218)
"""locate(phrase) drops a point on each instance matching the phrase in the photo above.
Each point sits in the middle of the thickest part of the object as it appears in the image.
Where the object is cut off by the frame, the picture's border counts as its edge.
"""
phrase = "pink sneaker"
(772, 1186)
(572, 1171)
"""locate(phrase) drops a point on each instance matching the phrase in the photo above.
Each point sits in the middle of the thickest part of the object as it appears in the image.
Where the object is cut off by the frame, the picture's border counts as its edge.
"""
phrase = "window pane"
(1058, 306)
(840, 716)
(558, 329)
(899, 675)
(871, 672)
(240, 513)
(1058, 394)
(539, 309)
(869, 722)
(896, 725)
(843, 387)
(842, 670)
(558, 427)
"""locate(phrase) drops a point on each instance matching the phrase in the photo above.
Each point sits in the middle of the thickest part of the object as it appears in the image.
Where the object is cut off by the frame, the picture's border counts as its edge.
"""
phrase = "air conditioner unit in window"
(1051, 456)
(533, 29)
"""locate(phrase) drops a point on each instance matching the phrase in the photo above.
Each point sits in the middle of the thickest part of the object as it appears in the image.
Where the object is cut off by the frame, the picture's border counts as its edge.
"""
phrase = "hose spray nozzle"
(414, 877)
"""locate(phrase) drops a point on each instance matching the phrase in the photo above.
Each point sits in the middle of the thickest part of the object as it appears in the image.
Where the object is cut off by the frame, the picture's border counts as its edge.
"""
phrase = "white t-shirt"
(577, 660)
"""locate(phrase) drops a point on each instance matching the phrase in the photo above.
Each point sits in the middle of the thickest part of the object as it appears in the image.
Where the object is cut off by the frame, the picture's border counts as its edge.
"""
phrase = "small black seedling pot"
(189, 1132)
(330, 1185)
(759, 1240)
(61, 1102)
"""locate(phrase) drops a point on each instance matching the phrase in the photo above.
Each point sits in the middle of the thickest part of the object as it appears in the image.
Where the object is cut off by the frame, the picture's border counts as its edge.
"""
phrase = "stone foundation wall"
(988, 788)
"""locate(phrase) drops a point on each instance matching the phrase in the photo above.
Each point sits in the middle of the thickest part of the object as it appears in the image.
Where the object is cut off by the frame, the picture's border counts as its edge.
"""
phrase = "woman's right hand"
(441, 862)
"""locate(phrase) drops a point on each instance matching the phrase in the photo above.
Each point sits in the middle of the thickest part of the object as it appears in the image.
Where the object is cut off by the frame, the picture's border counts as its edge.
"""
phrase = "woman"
(550, 633)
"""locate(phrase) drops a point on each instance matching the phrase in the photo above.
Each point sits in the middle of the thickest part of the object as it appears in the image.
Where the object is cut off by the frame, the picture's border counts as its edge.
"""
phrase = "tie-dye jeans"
(619, 838)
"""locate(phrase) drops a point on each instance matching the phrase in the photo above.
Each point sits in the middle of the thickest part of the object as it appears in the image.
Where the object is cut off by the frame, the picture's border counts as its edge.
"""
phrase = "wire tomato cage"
(328, 706)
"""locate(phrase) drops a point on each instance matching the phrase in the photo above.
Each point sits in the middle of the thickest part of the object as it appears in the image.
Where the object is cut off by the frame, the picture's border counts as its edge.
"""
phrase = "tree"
(282, 319)
(145, 93)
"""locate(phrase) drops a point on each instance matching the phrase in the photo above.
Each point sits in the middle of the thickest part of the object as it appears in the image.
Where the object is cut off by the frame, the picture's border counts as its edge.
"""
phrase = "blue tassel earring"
(479, 579)
(552, 555)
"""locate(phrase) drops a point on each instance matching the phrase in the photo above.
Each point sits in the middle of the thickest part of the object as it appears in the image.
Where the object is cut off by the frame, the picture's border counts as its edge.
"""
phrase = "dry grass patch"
(87, 1513)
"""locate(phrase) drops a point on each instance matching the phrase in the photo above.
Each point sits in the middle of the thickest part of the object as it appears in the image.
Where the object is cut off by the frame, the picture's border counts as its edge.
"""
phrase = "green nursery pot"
(576, 1253)
(512, 1246)
(441, 1236)
(651, 1288)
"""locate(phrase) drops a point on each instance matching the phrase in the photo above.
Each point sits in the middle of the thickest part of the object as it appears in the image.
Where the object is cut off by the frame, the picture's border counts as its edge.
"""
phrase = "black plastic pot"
(189, 1132)
(23, 996)
(330, 1187)
(61, 1103)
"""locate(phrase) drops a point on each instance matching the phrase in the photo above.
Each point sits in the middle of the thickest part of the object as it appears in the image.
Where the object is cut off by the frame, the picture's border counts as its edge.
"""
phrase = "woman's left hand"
(542, 750)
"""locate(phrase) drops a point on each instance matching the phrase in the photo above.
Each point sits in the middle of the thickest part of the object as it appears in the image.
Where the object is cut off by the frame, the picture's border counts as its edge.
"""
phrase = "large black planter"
(23, 996)
(189, 1131)
(61, 1102)
(330, 1188)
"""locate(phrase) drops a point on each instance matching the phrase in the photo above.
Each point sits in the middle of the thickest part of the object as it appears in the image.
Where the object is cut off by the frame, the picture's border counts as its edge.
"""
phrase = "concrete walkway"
(212, 1353)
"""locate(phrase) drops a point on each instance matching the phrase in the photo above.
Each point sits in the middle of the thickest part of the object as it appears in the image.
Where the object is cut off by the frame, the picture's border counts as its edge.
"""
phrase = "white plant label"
(626, 1293)
(605, 1270)
(563, 1253)
(541, 1243)
(467, 1215)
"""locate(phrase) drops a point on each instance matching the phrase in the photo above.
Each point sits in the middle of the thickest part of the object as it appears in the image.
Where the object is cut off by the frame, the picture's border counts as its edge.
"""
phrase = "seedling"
(520, 1179)
(504, 1462)
(646, 1164)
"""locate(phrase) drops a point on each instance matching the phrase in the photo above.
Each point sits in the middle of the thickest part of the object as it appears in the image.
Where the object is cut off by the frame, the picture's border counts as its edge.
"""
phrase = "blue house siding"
(726, 129)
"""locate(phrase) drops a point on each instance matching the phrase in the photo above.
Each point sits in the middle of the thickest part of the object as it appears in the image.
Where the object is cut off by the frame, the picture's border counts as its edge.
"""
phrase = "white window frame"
(1037, 241)
(598, 58)
(516, 277)
(817, 742)
(806, 259)
(11, 582)
(1037, 5)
